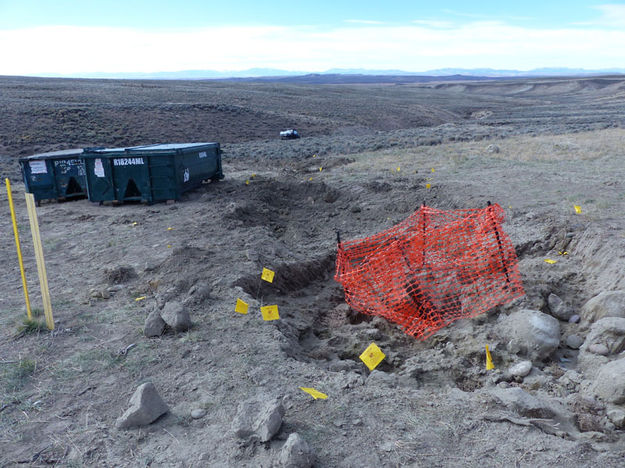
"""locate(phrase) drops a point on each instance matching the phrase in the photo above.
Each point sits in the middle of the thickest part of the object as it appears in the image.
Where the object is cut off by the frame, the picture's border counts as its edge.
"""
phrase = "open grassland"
(358, 171)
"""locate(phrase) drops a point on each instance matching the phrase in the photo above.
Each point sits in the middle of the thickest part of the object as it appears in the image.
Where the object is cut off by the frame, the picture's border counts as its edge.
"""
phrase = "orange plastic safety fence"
(431, 269)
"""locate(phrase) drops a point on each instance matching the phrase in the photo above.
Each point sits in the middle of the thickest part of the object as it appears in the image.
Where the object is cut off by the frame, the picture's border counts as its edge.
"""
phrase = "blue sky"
(69, 37)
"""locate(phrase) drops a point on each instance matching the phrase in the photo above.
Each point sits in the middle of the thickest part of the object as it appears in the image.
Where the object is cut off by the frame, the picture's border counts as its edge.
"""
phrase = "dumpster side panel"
(194, 167)
(99, 179)
(70, 178)
(39, 178)
(162, 177)
(131, 178)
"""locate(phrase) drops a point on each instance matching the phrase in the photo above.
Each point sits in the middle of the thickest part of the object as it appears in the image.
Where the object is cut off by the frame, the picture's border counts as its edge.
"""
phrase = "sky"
(73, 37)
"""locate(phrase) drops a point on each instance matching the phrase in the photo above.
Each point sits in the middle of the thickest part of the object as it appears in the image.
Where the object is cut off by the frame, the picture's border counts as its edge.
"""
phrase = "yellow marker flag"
(169, 246)
(134, 224)
(428, 186)
(550, 262)
(314, 393)
(270, 313)
(170, 228)
(433, 170)
(247, 182)
(137, 299)
(489, 360)
(578, 209)
(398, 169)
(372, 356)
(241, 307)
(314, 155)
(320, 169)
(310, 179)
(267, 275)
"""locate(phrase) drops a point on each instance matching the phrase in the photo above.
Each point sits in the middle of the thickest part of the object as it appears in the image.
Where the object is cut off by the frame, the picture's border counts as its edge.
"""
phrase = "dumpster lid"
(54, 154)
(173, 146)
(106, 151)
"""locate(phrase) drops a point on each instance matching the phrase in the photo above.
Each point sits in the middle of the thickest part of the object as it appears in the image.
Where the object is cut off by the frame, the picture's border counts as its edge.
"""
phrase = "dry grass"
(566, 147)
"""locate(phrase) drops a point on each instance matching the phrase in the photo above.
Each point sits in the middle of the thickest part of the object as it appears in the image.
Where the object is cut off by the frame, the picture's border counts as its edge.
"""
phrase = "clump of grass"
(29, 327)
(16, 375)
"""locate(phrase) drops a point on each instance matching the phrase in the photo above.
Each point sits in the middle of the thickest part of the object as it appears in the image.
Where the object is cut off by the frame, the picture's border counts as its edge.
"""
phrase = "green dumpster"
(150, 173)
(56, 175)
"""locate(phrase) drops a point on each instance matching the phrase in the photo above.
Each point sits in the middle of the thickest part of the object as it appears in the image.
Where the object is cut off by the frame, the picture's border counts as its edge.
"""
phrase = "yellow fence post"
(41, 266)
(18, 247)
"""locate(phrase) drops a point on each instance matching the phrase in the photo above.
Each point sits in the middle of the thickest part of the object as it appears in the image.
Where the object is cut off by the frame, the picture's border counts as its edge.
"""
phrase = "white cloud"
(434, 23)
(611, 15)
(414, 47)
(361, 21)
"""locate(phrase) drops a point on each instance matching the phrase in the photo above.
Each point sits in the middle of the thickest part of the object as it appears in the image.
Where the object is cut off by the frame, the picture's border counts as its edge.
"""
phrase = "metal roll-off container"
(57, 175)
(150, 173)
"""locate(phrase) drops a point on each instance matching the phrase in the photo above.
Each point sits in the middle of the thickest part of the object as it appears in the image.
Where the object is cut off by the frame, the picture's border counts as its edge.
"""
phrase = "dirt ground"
(536, 147)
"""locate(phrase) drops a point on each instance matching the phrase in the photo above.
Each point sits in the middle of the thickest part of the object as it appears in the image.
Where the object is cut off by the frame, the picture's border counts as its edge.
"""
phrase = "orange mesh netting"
(431, 269)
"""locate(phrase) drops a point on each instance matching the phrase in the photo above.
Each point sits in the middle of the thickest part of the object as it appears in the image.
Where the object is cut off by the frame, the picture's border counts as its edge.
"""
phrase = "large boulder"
(146, 406)
(523, 403)
(609, 331)
(530, 333)
(606, 338)
(176, 316)
(558, 308)
(605, 304)
(295, 453)
(154, 325)
(258, 418)
(609, 384)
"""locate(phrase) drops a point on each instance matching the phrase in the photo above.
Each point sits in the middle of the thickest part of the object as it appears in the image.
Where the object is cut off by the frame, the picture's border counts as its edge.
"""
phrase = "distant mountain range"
(269, 73)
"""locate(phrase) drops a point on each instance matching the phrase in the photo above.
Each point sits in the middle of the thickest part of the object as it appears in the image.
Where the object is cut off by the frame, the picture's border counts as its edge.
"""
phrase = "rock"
(119, 275)
(176, 316)
(295, 453)
(558, 308)
(571, 380)
(259, 418)
(617, 416)
(574, 341)
(574, 318)
(609, 331)
(521, 369)
(154, 325)
(377, 377)
(492, 149)
(530, 333)
(609, 384)
(146, 406)
(522, 402)
(606, 337)
(96, 293)
(605, 304)
(600, 349)
(198, 413)
(198, 293)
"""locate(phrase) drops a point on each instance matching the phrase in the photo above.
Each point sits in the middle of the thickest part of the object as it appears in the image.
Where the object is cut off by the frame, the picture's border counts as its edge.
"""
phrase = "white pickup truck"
(289, 134)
